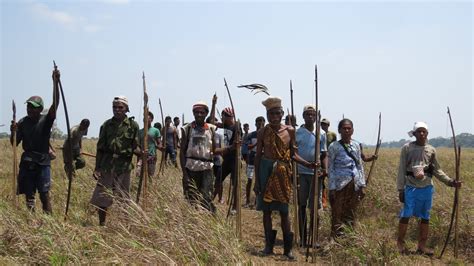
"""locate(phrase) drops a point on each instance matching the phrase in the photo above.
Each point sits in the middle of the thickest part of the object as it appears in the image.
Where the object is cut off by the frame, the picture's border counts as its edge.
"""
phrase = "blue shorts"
(418, 202)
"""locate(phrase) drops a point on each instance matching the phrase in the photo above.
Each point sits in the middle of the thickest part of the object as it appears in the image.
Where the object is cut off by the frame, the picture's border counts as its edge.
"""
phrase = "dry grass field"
(167, 230)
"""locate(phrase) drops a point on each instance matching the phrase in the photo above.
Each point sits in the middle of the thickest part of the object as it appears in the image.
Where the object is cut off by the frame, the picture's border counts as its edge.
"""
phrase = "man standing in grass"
(276, 147)
(118, 142)
(74, 157)
(153, 139)
(244, 150)
(228, 166)
(34, 131)
(171, 141)
(252, 147)
(176, 123)
(306, 141)
(418, 165)
(197, 157)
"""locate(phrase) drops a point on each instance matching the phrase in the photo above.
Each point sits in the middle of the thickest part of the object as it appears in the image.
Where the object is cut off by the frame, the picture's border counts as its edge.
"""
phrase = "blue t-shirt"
(252, 139)
(305, 140)
(245, 149)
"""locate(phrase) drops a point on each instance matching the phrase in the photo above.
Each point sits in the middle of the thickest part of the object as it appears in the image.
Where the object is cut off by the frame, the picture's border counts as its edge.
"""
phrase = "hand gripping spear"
(295, 181)
(163, 127)
(377, 147)
(236, 193)
(454, 213)
(15, 159)
(315, 216)
(144, 169)
(57, 82)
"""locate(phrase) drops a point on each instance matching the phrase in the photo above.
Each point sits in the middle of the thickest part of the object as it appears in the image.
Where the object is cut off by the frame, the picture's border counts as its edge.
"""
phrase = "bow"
(377, 147)
(57, 82)
(454, 213)
(236, 195)
(163, 127)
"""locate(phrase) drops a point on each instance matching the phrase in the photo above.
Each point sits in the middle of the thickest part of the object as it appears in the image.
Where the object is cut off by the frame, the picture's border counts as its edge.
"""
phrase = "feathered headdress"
(256, 88)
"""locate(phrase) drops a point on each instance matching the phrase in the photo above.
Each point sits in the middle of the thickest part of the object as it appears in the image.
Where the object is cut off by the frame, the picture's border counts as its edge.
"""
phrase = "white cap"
(121, 99)
(309, 107)
(416, 126)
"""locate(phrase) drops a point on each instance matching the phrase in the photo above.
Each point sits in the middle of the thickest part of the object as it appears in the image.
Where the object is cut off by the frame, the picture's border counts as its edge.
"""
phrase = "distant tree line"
(464, 140)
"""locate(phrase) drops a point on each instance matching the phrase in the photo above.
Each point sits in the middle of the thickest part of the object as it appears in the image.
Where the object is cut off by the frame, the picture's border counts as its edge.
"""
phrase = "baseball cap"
(36, 101)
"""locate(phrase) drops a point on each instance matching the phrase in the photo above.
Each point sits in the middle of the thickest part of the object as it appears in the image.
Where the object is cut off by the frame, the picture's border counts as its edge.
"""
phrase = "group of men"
(208, 155)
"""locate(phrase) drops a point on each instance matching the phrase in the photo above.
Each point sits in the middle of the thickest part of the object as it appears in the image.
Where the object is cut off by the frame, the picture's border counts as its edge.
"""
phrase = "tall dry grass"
(169, 231)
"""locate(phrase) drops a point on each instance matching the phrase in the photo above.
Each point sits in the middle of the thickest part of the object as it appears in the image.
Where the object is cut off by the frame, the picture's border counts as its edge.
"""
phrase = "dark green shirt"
(117, 141)
(34, 136)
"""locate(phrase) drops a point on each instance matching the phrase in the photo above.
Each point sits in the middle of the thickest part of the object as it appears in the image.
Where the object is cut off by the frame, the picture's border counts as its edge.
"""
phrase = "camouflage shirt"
(117, 141)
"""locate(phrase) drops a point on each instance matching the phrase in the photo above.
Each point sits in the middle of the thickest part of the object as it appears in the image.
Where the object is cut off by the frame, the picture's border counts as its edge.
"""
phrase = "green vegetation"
(465, 140)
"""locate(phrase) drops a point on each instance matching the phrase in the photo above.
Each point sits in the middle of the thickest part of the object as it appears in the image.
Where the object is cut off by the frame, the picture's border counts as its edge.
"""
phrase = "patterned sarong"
(278, 186)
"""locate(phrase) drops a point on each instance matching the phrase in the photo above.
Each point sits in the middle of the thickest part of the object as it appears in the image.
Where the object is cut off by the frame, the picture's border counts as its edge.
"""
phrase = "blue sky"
(408, 60)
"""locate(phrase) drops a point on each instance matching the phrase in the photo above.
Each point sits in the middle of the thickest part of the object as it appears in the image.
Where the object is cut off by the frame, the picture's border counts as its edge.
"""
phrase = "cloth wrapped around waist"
(276, 177)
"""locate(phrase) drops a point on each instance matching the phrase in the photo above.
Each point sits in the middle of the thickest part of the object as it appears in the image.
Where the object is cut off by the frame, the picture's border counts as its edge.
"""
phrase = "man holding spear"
(34, 131)
(154, 143)
(306, 141)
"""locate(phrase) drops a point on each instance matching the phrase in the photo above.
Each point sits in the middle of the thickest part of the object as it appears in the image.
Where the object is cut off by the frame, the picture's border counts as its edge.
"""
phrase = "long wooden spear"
(164, 138)
(237, 196)
(454, 213)
(69, 148)
(377, 147)
(295, 181)
(315, 216)
(144, 169)
(15, 159)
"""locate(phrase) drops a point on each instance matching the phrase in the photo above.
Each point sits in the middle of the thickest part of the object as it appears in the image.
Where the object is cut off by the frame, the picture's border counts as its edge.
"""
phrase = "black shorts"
(33, 177)
(228, 168)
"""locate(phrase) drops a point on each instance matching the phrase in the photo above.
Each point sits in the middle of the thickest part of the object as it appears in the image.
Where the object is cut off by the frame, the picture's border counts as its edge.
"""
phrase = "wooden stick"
(15, 159)
(295, 181)
(237, 167)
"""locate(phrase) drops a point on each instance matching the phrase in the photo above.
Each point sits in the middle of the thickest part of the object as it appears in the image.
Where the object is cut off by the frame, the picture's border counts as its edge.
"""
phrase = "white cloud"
(65, 19)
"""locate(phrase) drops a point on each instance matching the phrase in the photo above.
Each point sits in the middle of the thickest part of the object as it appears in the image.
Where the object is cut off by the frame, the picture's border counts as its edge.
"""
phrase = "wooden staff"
(236, 194)
(295, 181)
(88, 154)
(164, 139)
(454, 213)
(144, 168)
(315, 216)
(15, 159)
